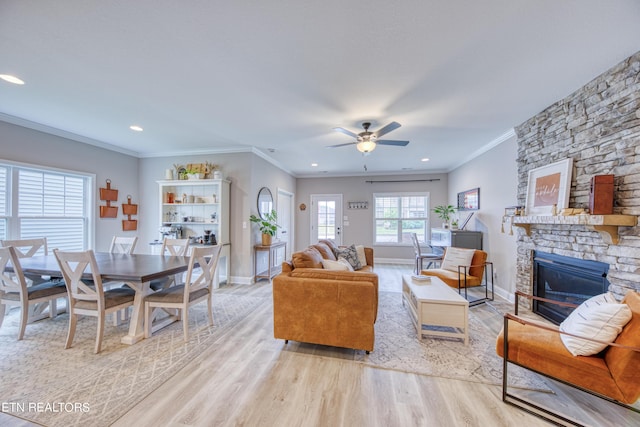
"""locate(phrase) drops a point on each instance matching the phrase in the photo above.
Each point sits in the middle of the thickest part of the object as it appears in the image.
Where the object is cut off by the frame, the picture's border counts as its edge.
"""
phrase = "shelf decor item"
(109, 195)
(548, 186)
(129, 209)
(267, 226)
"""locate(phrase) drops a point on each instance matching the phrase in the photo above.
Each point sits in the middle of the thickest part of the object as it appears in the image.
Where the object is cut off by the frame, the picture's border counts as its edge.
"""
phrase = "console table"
(274, 264)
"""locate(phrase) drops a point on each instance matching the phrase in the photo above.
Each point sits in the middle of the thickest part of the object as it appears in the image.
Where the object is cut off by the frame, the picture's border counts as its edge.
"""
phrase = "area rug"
(46, 384)
(397, 347)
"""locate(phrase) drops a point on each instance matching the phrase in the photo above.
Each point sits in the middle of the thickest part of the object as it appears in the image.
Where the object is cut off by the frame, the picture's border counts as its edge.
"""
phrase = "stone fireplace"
(598, 126)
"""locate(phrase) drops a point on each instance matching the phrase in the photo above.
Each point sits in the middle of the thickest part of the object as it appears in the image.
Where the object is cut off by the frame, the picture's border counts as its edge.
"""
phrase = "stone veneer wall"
(599, 127)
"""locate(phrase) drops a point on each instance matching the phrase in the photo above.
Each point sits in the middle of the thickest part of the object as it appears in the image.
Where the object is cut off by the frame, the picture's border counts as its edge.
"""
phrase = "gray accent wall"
(23, 145)
(356, 188)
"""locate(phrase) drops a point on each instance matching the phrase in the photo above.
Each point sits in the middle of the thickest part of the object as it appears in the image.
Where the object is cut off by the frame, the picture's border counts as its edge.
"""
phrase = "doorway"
(326, 217)
(285, 215)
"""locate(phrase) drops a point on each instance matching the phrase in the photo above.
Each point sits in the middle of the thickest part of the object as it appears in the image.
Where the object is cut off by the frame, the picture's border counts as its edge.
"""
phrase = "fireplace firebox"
(567, 279)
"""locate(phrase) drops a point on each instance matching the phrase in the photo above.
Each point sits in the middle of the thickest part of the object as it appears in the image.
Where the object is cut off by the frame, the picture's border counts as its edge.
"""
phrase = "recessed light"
(424, 159)
(314, 165)
(11, 79)
(136, 128)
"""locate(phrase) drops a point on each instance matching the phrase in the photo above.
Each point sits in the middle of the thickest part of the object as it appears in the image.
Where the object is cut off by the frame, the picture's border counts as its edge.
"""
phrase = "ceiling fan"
(367, 141)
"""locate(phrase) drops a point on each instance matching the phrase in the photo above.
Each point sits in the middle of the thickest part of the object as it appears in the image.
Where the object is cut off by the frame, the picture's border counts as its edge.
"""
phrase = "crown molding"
(499, 140)
(65, 134)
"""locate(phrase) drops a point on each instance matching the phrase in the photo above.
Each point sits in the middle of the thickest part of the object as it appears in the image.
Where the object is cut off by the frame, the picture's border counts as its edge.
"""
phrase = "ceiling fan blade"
(388, 128)
(346, 132)
(340, 145)
(392, 142)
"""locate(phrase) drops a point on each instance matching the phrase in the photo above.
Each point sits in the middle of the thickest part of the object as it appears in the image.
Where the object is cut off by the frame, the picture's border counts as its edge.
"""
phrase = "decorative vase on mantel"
(266, 239)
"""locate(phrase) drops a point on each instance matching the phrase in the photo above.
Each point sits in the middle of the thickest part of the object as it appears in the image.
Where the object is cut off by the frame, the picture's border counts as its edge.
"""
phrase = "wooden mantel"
(606, 225)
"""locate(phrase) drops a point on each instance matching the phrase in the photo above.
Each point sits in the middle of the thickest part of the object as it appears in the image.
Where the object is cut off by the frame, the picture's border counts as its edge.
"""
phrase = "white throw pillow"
(346, 263)
(454, 257)
(328, 264)
(361, 256)
(601, 318)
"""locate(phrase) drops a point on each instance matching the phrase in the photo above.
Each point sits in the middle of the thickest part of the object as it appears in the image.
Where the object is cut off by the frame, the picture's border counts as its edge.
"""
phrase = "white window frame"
(400, 243)
(13, 219)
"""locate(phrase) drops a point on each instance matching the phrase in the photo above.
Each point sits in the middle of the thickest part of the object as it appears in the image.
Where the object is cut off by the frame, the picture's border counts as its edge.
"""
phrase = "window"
(3, 202)
(45, 203)
(399, 215)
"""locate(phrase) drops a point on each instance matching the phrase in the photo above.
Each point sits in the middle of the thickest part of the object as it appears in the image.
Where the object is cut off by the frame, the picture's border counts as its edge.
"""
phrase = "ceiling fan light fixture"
(366, 146)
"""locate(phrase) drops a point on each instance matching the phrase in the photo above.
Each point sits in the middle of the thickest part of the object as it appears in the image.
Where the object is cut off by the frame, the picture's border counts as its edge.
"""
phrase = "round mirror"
(265, 202)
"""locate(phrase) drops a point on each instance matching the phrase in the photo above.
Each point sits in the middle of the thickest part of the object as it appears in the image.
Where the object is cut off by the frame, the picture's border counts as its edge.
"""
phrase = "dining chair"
(123, 245)
(26, 248)
(89, 297)
(420, 254)
(197, 287)
(15, 292)
(172, 247)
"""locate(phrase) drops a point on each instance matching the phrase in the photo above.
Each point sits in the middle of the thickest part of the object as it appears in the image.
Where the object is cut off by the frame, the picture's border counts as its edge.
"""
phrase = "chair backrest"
(207, 258)
(26, 248)
(416, 244)
(73, 265)
(11, 282)
(123, 245)
(477, 263)
(176, 247)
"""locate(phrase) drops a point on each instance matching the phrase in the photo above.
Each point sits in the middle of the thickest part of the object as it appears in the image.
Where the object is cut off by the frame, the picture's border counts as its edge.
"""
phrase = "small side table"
(273, 267)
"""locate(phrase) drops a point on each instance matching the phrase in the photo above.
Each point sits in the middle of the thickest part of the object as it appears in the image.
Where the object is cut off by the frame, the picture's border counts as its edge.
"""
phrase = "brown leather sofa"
(328, 307)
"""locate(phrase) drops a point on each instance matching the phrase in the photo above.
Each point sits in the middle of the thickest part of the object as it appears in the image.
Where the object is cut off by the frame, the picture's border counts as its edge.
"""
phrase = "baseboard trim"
(393, 261)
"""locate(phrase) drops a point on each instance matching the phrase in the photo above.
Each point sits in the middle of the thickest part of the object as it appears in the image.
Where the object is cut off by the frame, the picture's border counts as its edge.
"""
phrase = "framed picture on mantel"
(549, 186)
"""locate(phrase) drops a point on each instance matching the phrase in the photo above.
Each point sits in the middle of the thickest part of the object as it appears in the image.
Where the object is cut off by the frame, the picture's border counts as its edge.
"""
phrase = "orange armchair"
(476, 274)
(612, 374)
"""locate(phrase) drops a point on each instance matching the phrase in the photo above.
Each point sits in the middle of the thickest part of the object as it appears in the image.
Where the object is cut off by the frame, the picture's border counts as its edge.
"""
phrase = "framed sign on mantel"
(548, 188)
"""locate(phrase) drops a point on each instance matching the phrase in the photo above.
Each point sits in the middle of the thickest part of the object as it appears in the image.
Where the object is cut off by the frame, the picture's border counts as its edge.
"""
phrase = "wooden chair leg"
(99, 332)
(3, 312)
(210, 309)
(73, 319)
(24, 318)
(185, 323)
(147, 320)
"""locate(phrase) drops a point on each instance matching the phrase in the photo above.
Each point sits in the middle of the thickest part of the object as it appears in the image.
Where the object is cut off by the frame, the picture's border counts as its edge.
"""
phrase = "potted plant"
(194, 174)
(267, 226)
(444, 212)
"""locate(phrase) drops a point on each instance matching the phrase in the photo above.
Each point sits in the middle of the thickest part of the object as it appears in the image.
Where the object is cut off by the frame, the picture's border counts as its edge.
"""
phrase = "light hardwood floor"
(249, 379)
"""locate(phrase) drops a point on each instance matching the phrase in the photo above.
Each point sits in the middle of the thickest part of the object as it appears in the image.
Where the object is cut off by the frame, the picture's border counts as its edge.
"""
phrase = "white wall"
(495, 173)
(24, 145)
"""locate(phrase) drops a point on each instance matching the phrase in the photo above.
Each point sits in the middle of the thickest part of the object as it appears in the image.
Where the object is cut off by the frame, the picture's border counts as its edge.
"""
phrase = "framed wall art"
(548, 186)
(469, 200)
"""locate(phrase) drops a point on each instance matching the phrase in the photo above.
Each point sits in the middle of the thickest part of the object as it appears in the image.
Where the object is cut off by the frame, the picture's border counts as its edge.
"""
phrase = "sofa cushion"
(362, 257)
(599, 318)
(325, 251)
(351, 255)
(307, 258)
(339, 265)
(329, 243)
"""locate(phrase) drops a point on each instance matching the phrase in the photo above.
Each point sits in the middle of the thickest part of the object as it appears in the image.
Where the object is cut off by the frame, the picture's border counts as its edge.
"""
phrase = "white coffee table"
(433, 303)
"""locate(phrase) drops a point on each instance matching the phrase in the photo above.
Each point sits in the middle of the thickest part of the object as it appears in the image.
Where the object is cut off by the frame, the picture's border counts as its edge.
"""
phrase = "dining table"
(134, 270)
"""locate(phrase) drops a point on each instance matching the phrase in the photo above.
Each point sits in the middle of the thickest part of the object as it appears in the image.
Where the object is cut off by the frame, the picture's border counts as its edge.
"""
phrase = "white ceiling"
(277, 75)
